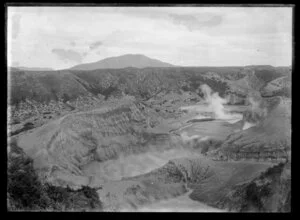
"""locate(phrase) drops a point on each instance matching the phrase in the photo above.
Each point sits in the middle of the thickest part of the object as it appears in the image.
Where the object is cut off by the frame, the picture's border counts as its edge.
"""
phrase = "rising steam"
(255, 114)
(132, 165)
(256, 106)
(186, 138)
(216, 104)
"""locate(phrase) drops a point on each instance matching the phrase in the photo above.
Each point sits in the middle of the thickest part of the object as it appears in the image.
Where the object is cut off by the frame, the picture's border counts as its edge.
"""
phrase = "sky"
(62, 37)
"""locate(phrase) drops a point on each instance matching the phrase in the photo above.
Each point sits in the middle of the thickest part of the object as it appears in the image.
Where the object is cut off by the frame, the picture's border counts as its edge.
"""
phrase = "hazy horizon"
(62, 37)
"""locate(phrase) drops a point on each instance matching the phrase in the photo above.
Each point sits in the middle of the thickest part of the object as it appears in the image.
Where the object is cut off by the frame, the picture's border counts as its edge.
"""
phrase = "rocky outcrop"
(277, 155)
(268, 140)
(280, 86)
(240, 90)
(270, 192)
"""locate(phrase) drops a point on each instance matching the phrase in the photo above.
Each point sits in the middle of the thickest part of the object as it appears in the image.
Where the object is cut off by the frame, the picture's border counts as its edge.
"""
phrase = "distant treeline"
(44, 86)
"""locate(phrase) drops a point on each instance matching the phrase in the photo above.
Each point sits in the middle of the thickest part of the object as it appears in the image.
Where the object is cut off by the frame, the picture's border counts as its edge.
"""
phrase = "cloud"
(15, 63)
(95, 45)
(68, 55)
(214, 21)
(181, 35)
(16, 25)
(84, 54)
(72, 43)
(192, 22)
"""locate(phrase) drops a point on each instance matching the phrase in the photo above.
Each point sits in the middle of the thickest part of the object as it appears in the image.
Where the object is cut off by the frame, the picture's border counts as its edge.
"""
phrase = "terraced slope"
(61, 148)
(209, 181)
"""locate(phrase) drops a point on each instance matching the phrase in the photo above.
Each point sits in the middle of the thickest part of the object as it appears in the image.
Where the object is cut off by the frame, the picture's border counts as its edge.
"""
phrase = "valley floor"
(181, 203)
(129, 180)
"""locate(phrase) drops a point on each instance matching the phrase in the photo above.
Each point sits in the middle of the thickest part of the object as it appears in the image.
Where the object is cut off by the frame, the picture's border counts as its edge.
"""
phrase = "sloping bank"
(26, 192)
(62, 148)
(209, 181)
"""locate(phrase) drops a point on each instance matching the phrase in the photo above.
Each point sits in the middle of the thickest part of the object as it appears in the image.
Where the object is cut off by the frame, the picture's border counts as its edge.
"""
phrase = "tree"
(23, 185)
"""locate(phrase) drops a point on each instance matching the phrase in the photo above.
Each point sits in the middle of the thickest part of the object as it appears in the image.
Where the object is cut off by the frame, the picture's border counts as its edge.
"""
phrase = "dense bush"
(27, 126)
(69, 199)
(141, 83)
(269, 192)
(24, 187)
(26, 192)
(269, 74)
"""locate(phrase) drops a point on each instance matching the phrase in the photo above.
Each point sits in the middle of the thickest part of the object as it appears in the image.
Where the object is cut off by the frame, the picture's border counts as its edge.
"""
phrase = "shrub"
(24, 187)
(26, 192)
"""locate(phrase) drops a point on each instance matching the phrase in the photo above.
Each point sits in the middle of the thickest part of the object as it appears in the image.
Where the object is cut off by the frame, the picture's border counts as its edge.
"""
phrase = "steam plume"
(133, 165)
(256, 113)
(187, 138)
(216, 104)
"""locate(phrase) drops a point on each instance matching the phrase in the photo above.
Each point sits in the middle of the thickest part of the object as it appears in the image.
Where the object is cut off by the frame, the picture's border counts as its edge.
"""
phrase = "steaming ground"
(132, 165)
(207, 124)
(209, 119)
(135, 165)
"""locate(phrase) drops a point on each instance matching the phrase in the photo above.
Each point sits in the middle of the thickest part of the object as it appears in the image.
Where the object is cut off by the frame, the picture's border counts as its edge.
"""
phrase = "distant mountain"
(128, 60)
(259, 66)
(33, 68)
